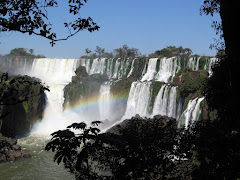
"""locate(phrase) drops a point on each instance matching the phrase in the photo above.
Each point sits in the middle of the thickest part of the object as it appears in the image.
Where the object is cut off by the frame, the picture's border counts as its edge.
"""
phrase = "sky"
(146, 25)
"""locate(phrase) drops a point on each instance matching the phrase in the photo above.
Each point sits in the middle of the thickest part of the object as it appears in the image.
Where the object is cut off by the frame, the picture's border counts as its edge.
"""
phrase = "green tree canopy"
(125, 52)
(19, 52)
(171, 51)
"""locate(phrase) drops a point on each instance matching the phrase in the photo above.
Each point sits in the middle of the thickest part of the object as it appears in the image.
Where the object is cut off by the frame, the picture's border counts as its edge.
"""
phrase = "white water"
(165, 103)
(138, 100)
(191, 113)
(104, 102)
(151, 70)
(193, 63)
(132, 67)
(56, 74)
(113, 68)
(168, 69)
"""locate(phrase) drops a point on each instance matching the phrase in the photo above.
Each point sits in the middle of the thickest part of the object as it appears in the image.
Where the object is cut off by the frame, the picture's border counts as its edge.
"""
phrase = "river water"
(39, 167)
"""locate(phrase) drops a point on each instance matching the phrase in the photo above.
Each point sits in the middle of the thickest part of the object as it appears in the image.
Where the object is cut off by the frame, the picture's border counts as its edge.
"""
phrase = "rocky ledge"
(10, 151)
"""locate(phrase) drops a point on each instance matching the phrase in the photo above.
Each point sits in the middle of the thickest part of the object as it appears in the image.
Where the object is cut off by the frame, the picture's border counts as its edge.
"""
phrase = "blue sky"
(147, 25)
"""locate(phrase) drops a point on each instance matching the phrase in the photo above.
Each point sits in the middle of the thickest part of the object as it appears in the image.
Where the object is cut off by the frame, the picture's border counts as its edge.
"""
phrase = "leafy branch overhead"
(31, 16)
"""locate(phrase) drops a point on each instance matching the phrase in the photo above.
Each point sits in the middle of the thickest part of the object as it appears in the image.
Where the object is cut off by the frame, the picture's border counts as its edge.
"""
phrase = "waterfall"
(167, 69)
(138, 99)
(193, 63)
(172, 103)
(207, 63)
(113, 68)
(56, 74)
(165, 103)
(191, 113)
(151, 70)
(208, 66)
(104, 102)
(132, 67)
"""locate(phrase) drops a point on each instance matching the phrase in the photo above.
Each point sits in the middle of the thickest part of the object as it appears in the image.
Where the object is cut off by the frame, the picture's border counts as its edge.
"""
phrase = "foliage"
(99, 51)
(216, 147)
(81, 71)
(218, 89)
(171, 51)
(31, 16)
(19, 52)
(83, 86)
(142, 149)
(77, 151)
(87, 51)
(126, 52)
(211, 7)
(22, 102)
(121, 87)
(191, 81)
(14, 90)
(23, 52)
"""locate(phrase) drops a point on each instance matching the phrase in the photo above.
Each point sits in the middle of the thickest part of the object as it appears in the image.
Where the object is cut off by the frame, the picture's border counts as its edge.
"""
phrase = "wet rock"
(10, 151)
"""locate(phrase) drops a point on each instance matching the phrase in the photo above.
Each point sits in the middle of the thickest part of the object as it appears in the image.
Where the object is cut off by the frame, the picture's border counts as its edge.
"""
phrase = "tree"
(31, 16)
(87, 51)
(31, 51)
(125, 52)
(99, 51)
(228, 10)
(171, 51)
(19, 52)
(80, 161)
(141, 149)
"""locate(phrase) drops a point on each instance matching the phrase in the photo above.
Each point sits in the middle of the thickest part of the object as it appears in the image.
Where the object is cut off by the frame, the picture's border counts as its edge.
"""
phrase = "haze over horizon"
(146, 26)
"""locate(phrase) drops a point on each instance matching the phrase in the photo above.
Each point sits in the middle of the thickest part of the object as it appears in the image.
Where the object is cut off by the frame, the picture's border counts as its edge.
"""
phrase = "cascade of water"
(151, 70)
(208, 66)
(165, 102)
(167, 69)
(104, 102)
(158, 104)
(97, 66)
(191, 113)
(138, 99)
(55, 73)
(113, 68)
(131, 70)
(172, 103)
(193, 63)
(116, 69)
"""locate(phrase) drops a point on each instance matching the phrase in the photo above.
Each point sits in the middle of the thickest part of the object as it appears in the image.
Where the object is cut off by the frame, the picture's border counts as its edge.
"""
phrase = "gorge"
(112, 90)
(95, 92)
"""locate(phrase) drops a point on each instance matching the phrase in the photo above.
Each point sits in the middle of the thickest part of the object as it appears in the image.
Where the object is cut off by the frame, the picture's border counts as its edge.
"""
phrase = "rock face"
(23, 106)
(83, 86)
(10, 151)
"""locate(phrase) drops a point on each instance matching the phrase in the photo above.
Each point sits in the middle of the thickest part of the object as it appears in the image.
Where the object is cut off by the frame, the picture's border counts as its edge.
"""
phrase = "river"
(39, 167)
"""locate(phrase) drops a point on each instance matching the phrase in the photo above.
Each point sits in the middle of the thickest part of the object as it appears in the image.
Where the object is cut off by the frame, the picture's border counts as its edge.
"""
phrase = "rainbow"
(93, 102)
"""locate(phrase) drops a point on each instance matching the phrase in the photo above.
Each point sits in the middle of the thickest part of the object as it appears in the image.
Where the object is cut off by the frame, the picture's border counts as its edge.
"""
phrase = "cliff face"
(22, 104)
(82, 86)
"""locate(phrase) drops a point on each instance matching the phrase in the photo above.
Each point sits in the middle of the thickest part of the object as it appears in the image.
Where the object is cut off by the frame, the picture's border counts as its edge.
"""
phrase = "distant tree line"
(24, 52)
(122, 52)
(126, 52)
(171, 51)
